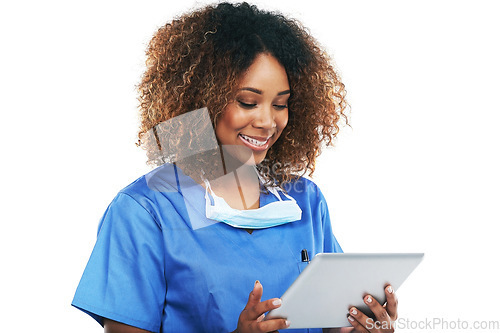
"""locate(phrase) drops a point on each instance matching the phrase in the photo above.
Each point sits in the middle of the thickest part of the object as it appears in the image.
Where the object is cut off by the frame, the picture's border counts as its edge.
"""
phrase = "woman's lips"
(257, 143)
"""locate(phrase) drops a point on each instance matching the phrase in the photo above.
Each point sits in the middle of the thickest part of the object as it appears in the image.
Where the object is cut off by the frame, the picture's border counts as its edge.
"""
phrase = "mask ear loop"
(271, 189)
(208, 188)
(288, 196)
(275, 190)
(207, 184)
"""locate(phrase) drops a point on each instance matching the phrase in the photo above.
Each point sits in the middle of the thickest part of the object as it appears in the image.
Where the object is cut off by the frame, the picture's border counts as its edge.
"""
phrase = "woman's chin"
(237, 154)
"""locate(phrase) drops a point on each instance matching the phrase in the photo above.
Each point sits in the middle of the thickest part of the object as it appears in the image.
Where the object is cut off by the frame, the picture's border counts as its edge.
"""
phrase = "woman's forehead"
(265, 71)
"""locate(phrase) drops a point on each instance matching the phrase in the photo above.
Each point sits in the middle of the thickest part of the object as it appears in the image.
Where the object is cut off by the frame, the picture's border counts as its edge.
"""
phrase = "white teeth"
(253, 141)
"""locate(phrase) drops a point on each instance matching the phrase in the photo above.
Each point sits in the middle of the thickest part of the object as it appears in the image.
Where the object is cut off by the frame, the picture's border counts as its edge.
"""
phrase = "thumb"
(255, 295)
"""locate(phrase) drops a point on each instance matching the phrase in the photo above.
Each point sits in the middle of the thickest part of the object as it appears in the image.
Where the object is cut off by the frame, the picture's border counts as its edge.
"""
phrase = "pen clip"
(305, 256)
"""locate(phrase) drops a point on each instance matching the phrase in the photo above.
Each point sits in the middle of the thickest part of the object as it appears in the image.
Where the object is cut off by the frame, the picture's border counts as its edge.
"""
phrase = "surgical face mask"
(270, 215)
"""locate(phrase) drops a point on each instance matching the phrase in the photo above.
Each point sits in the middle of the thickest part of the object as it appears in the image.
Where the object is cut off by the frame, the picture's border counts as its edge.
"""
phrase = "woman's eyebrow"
(257, 91)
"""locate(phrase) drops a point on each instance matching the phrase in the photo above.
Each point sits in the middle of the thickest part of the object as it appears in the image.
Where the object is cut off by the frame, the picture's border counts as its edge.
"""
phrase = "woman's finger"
(392, 302)
(252, 317)
(378, 310)
(265, 306)
(255, 296)
(255, 309)
(355, 319)
(272, 325)
(366, 323)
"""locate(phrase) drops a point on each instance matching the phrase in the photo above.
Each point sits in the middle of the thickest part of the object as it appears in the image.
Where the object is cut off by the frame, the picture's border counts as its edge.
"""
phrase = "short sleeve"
(124, 279)
(330, 245)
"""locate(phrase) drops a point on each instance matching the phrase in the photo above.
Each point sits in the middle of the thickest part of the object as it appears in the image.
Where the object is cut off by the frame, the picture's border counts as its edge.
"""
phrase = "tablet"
(333, 282)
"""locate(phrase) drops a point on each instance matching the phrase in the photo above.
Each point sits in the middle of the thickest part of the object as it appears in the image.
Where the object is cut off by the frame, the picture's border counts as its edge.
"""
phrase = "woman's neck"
(239, 187)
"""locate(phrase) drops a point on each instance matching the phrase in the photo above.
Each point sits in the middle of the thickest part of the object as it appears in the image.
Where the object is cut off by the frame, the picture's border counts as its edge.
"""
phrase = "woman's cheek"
(282, 120)
(238, 119)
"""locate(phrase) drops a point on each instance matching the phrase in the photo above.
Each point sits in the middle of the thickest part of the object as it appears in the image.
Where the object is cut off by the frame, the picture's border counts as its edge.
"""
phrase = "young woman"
(225, 213)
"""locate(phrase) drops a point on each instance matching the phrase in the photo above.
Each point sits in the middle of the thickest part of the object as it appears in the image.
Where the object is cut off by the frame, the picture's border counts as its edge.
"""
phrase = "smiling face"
(254, 120)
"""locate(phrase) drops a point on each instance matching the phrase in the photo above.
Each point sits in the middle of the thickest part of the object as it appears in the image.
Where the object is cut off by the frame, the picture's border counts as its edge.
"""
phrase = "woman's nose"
(265, 118)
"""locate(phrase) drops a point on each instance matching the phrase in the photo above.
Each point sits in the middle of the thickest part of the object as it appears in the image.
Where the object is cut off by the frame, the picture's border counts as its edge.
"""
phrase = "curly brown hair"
(197, 60)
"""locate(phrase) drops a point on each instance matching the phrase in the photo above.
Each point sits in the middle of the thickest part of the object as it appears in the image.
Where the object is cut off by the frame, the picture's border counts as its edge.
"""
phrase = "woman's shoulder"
(163, 187)
(150, 190)
(147, 195)
(137, 188)
(163, 179)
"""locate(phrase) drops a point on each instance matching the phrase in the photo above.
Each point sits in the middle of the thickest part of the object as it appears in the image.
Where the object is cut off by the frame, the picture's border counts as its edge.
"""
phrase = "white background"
(418, 171)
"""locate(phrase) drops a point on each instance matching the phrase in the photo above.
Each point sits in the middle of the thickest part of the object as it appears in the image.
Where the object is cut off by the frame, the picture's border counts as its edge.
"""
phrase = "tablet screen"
(333, 282)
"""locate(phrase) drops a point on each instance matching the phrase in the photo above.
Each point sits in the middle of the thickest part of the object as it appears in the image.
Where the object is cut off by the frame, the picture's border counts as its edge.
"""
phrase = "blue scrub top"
(159, 264)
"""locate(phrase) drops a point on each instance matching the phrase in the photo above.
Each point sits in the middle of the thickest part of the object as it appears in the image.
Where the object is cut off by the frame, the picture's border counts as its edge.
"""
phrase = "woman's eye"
(280, 106)
(247, 105)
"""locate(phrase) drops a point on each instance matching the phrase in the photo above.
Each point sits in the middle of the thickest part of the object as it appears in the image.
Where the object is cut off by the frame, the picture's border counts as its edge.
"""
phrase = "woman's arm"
(111, 326)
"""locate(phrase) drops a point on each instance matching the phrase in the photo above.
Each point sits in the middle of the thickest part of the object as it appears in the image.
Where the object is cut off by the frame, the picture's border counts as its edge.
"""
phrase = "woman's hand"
(384, 315)
(251, 318)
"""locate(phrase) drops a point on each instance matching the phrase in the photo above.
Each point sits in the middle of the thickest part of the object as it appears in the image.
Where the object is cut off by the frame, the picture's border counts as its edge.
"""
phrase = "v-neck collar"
(170, 178)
